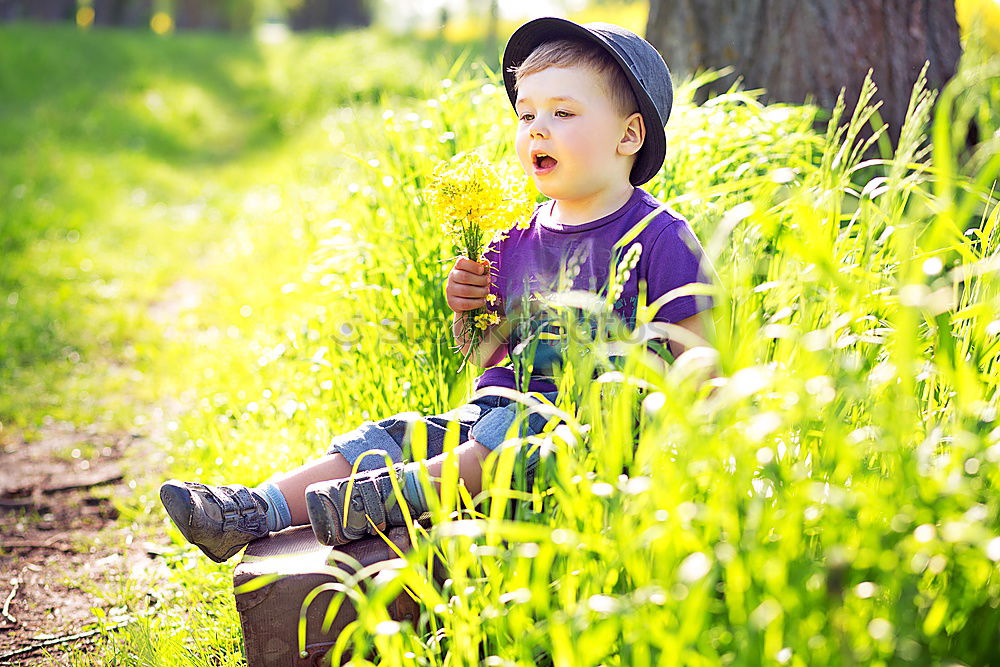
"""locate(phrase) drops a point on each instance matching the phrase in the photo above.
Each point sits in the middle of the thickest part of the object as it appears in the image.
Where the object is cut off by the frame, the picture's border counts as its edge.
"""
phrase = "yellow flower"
(485, 319)
(476, 203)
(475, 200)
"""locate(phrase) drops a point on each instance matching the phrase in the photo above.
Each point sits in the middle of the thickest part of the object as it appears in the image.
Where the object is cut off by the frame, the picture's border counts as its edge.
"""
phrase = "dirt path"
(62, 552)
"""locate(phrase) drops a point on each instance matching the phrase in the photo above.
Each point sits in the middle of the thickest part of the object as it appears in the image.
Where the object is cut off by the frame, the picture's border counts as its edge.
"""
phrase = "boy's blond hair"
(573, 53)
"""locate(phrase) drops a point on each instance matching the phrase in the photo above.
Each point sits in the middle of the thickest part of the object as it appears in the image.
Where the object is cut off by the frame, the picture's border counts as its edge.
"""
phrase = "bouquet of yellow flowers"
(477, 203)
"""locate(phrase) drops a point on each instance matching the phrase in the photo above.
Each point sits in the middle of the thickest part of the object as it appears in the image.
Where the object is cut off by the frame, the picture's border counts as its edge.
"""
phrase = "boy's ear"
(634, 135)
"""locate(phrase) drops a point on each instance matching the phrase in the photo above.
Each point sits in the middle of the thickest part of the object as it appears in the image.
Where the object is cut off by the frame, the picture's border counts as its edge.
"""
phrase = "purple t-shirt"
(532, 259)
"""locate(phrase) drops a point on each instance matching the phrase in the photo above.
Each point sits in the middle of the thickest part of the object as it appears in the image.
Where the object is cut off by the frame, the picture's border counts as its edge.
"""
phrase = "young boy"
(591, 101)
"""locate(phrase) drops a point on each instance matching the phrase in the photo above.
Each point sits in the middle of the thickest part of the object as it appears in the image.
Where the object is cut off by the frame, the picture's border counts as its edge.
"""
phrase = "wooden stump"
(269, 616)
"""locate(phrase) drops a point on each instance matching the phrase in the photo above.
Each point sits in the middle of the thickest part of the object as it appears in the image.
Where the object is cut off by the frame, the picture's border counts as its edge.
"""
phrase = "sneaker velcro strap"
(374, 505)
(245, 500)
(235, 502)
(353, 513)
(230, 510)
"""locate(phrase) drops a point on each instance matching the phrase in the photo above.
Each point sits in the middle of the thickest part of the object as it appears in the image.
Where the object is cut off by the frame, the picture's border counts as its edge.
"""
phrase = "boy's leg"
(342, 510)
(293, 484)
(220, 520)
(471, 456)
(492, 430)
(337, 519)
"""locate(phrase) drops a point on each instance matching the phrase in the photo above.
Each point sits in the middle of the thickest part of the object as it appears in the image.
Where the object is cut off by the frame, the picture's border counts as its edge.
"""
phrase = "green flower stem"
(472, 238)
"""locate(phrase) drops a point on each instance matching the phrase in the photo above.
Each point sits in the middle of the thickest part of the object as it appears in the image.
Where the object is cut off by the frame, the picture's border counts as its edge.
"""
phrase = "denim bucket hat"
(642, 64)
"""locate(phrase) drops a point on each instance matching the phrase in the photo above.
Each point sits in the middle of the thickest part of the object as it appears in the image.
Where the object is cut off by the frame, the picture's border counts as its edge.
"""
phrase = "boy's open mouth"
(544, 162)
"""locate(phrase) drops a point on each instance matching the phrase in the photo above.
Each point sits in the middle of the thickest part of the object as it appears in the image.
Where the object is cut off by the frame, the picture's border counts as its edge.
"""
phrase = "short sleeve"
(676, 258)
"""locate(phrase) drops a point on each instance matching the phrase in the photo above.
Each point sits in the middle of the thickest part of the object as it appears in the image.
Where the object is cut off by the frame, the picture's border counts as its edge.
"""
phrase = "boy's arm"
(693, 336)
(466, 289)
(678, 337)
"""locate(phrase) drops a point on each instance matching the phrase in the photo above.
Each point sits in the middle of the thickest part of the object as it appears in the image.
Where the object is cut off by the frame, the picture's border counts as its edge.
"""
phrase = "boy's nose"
(538, 129)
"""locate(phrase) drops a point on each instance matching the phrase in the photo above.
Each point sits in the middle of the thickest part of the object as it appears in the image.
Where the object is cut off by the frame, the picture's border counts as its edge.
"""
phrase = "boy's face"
(569, 136)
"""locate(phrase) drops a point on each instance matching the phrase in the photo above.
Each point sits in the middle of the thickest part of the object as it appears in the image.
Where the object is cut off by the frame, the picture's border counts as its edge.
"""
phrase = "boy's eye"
(526, 117)
(563, 114)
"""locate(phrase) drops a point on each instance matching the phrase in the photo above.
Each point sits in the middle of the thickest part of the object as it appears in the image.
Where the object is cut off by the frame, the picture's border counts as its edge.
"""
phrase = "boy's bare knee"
(480, 450)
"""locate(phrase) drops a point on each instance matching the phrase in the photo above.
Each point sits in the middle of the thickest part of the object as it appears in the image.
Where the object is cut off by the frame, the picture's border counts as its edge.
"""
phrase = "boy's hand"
(468, 285)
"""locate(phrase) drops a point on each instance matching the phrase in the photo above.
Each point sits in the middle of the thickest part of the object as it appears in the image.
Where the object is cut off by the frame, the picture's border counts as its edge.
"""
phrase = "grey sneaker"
(372, 497)
(219, 520)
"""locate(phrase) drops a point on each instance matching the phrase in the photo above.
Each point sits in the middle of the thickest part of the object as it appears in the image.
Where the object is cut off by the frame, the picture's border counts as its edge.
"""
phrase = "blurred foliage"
(470, 29)
(980, 15)
(242, 15)
(103, 135)
(164, 15)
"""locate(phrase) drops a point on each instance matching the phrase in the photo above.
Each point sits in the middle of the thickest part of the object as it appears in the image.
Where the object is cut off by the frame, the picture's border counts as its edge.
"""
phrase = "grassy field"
(237, 228)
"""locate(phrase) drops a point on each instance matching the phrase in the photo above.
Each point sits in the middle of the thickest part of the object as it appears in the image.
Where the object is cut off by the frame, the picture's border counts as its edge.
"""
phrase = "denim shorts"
(487, 419)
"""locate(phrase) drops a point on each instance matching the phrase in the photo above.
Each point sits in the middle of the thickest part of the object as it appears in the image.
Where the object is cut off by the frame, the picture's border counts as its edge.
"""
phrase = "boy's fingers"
(468, 291)
(466, 264)
(467, 278)
(474, 279)
(460, 304)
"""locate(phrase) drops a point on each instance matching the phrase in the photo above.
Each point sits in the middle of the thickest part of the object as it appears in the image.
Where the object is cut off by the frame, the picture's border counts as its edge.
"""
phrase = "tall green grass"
(829, 499)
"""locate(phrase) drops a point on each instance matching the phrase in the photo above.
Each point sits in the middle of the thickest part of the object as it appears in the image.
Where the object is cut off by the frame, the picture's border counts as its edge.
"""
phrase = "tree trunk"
(198, 15)
(133, 13)
(330, 14)
(808, 50)
(37, 10)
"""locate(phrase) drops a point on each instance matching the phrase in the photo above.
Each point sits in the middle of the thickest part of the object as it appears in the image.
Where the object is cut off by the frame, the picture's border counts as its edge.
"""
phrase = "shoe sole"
(320, 518)
(176, 501)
